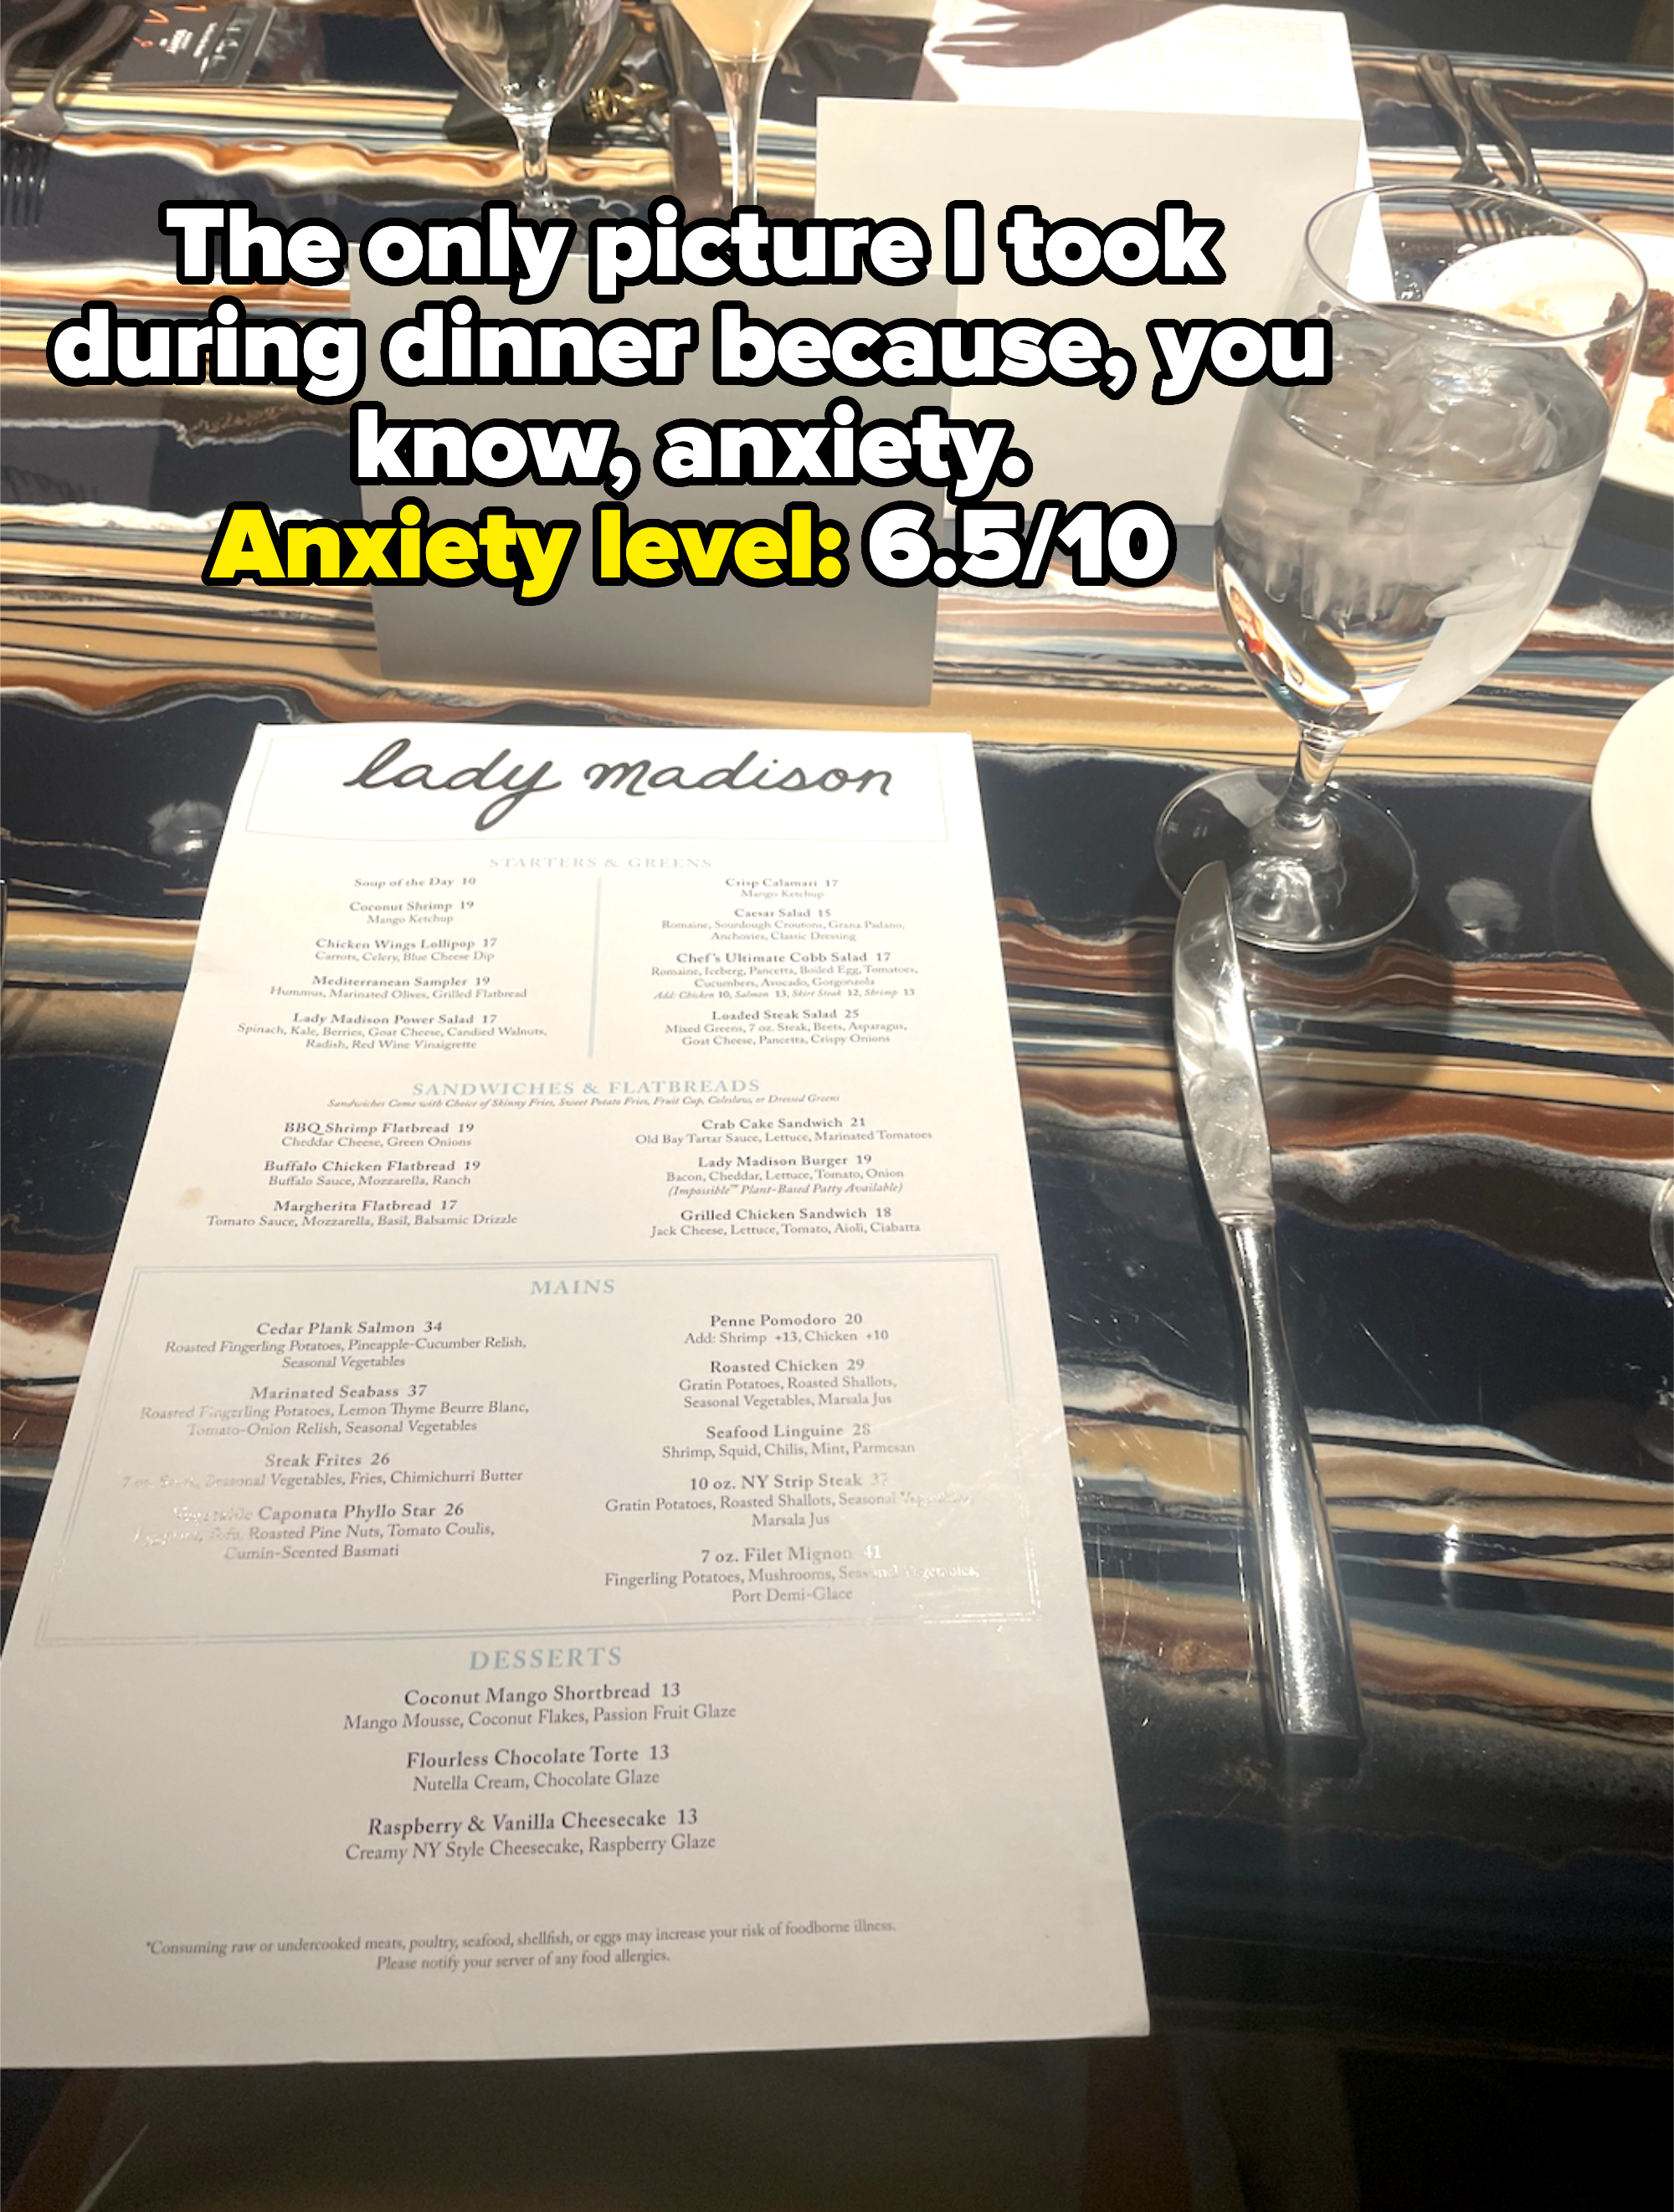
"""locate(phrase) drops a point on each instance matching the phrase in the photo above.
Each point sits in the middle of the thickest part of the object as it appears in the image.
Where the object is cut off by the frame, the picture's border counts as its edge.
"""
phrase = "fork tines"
(22, 180)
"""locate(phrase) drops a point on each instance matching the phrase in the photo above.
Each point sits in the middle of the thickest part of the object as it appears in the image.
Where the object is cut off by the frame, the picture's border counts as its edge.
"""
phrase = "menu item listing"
(565, 1544)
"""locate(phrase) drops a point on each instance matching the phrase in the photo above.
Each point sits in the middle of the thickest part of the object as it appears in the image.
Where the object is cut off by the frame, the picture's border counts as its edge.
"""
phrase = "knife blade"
(1309, 1666)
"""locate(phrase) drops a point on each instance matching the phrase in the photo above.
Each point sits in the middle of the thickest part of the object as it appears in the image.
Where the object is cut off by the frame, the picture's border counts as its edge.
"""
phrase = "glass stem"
(532, 137)
(1302, 804)
(742, 84)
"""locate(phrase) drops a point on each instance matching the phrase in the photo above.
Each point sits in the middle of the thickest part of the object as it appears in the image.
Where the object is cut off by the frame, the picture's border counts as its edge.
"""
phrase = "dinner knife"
(1309, 1659)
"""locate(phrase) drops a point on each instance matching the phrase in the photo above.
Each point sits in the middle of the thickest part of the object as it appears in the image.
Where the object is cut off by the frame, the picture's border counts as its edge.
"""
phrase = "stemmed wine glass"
(1388, 538)
(528, 58)
(742, 38)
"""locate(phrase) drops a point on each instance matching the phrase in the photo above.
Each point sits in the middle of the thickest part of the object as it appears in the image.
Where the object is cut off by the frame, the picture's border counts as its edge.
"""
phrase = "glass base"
(1344, 883)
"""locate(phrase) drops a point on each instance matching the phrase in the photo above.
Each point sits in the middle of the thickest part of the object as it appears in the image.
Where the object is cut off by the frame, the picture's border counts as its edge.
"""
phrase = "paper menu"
(565, 1543)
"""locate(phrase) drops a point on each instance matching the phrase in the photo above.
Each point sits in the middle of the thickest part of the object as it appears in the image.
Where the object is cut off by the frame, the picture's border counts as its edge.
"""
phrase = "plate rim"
(1636, 240)
(1658, 931)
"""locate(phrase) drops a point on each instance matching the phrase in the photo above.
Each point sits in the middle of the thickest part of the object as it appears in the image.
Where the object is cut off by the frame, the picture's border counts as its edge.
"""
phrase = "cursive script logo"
(639, 776)
(420, 775)
(391, 770)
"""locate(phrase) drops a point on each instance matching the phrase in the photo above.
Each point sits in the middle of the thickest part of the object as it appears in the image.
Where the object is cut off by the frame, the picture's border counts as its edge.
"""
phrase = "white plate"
(1633, 816)
(1518, 279)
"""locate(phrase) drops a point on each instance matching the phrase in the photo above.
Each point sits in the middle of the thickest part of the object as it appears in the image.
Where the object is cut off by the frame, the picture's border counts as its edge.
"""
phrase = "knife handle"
(1309, 1659)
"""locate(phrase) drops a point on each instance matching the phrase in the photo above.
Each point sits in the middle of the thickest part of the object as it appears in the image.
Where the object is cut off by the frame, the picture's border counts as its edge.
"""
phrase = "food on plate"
(1660, 421)
(1655, 354)
(1604, 356)
(1655, 357)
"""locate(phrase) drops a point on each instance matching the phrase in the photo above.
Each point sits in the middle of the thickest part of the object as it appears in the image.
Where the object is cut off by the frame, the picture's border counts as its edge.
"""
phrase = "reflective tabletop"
(1472, 1118)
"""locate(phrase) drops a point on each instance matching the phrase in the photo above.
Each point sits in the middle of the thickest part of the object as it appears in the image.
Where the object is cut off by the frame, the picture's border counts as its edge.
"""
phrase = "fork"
(44, 120)
(1482, 225)
(1512, 145)
(22, 181)
(59, 12)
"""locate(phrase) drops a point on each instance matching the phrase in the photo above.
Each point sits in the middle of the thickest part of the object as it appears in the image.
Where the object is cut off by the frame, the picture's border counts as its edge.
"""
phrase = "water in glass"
(1387, 539)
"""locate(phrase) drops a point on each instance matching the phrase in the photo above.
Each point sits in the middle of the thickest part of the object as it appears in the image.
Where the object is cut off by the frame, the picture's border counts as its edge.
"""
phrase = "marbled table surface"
(1471, 1118)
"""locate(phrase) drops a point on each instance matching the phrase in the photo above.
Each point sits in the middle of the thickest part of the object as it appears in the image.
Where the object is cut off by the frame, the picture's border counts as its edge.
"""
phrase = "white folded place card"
(1151, 57)
(855, 642)
(1251, 115)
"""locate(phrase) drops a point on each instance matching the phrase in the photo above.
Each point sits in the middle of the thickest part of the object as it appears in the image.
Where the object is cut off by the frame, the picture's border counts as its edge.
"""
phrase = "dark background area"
(1602, 31)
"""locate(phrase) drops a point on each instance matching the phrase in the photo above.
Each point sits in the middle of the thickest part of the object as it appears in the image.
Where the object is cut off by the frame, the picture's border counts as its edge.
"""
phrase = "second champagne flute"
(742, 38)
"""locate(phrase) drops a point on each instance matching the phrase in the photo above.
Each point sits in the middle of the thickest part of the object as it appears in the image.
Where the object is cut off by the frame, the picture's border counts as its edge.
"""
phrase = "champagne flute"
(528, 58)
(742, 38)
(1388, 538)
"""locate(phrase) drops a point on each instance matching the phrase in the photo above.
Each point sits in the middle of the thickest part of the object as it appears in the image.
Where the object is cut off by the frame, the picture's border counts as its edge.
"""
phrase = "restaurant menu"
(565, 1545)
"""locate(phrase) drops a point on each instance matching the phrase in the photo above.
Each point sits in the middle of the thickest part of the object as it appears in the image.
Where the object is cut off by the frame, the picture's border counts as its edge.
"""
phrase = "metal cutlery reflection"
(694, 152)
(1483, 223)
(1485, 94)
(1308, 1657)
(22, 181)
(1662, 1234)
(45, 119)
